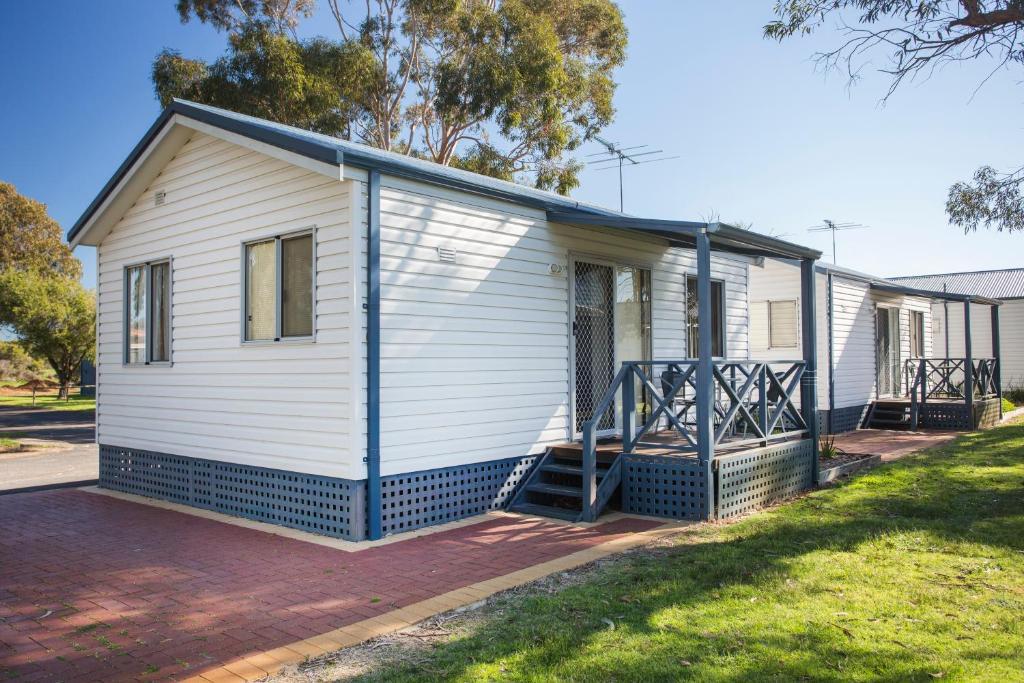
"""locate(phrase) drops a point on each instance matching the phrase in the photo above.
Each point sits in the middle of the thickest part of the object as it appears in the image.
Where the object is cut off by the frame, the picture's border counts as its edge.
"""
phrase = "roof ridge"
(959, 272)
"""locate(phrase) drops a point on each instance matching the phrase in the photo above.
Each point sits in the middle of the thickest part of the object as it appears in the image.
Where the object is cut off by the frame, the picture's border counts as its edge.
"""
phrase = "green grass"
(7, 444)
(912, 572)
(50, 402)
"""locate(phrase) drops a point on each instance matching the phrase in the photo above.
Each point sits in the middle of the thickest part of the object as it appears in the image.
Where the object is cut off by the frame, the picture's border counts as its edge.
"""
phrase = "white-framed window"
(147, 313)
(717, 317)
(916, 334)
(278, 288)
(783, 324)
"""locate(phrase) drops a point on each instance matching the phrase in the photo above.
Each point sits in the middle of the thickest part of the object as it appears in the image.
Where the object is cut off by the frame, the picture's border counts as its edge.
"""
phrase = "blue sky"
(762, 137)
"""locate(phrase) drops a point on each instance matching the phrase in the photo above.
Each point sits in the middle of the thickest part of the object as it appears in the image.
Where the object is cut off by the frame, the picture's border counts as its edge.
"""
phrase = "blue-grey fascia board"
(883, 285)
(724, 237)
(335, 151)
(331, 151)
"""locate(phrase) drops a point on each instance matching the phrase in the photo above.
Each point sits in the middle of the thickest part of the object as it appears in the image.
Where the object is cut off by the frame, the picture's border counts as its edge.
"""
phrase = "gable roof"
(331, 152)
(1007, 283)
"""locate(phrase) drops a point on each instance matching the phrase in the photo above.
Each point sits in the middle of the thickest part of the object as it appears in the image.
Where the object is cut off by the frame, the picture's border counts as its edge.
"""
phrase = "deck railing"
(946, 378)
(753, 403)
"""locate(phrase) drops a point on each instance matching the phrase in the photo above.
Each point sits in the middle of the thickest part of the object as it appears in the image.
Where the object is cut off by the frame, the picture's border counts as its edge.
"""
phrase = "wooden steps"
(555, 487)
(889, 415)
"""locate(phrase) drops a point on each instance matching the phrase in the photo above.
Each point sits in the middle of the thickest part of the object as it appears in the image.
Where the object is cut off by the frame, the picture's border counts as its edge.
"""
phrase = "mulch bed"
(841, 459)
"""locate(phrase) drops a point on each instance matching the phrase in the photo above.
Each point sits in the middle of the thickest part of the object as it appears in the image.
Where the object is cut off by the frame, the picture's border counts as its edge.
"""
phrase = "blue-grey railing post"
(373, 493)
(809, 382)
(762, 401)
(923, 369)
(914, 407)
(629, 410)
(705, 378)
(997, 380)
(589, 468)
(968, 364)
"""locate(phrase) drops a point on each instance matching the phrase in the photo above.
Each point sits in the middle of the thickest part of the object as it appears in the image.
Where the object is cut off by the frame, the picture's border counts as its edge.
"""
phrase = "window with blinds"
(782, 324)
(147, 313)
(279, 277)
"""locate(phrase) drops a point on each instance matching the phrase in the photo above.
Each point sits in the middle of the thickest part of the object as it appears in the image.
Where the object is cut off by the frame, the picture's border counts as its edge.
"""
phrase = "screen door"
(887, 350)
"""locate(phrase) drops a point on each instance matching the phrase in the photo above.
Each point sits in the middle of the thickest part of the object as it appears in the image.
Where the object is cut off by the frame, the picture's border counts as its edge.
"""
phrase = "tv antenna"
(618, 157)
(834, 227)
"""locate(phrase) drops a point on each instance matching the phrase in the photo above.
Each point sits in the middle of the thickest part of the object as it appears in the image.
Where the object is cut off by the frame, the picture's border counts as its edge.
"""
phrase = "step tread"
(562, 468)
(546, 511)
(556, 489)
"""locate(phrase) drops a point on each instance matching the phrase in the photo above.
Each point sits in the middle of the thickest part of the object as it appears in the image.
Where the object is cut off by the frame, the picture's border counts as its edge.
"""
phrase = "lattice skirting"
(845, 419)
(945, 416)
(663, 486)
(751, 479)
(419, 499)
(323, 505)
(986, 413)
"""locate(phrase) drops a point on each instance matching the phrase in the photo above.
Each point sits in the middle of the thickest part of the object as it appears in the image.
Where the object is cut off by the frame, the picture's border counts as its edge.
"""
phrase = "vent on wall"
(446, 254)
(159, 198)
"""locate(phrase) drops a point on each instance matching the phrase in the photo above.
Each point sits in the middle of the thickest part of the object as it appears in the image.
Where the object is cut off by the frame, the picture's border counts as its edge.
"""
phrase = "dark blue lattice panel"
(848, 418)
(986, 413)
(751, 479)
(945, 416)
(323, 505)
(419, 499)
(663, 486)
(144, 473)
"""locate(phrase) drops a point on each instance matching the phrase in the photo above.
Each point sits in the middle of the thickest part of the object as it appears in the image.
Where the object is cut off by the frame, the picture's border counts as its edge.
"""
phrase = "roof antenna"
(614, 156)
(835, 227)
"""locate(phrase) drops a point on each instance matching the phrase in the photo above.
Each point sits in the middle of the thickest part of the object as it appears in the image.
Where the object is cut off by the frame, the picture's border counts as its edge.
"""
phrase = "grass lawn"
(914, 571)
(8, 445)
(50, 402)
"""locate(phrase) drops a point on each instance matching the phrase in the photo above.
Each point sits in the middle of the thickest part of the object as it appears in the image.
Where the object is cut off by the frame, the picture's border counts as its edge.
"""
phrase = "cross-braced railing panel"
(946, 379)
(753, 402)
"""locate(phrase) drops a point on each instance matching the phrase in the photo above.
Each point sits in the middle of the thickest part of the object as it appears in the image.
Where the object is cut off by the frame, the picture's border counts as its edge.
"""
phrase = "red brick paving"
(98, 588)
(891, 444)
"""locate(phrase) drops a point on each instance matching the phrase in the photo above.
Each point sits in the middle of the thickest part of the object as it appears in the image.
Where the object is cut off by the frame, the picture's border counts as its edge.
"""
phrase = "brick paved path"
(97, 588)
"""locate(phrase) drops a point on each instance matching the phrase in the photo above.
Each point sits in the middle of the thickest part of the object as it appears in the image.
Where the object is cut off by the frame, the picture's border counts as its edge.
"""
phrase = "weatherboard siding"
(285, 405)
(1011, 332)
(475, 354)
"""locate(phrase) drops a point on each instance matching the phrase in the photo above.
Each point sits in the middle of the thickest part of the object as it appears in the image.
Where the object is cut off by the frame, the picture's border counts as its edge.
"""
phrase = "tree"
(29, 239)
(505, 88)
(310, 84)
(921, 36)
(54, 318)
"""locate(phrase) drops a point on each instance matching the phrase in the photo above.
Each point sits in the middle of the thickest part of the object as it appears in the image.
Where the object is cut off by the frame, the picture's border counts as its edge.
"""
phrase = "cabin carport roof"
(330, 154)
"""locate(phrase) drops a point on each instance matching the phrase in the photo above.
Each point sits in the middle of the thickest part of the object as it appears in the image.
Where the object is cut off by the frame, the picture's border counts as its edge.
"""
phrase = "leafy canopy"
(54, 318)
(505, 88)
(30, 239)
(920, 36)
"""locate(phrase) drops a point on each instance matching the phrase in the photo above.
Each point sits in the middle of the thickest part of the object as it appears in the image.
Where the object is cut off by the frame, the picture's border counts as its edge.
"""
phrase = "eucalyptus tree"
(509, 88)
(916, 37)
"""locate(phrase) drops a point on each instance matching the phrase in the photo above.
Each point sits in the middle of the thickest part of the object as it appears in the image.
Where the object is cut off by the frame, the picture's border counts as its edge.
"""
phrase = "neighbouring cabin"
(883, 351)
(1005, 286)
(314, 333)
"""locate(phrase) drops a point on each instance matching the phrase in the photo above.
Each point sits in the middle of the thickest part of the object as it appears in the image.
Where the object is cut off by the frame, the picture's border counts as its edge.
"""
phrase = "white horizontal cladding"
(287, 405)
(475, 351)
(779, 280)
(853, 342)
(1011, 332)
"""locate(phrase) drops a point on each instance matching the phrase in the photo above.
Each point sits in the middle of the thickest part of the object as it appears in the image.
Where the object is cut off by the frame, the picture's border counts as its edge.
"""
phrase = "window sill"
(160, 364)
(287, 341)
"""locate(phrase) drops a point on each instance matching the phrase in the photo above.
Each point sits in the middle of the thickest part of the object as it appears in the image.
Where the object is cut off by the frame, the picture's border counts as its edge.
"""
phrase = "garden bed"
(843, 464)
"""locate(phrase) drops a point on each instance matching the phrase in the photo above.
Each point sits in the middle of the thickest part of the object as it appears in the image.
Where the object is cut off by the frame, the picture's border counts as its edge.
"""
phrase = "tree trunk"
(64, 390)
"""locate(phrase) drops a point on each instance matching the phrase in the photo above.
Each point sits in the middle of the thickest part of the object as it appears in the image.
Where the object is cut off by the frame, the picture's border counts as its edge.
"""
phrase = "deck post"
(373, 493)
(997, 372)
(628, 412)
(809, 382)
(968, 363)
(705, 380)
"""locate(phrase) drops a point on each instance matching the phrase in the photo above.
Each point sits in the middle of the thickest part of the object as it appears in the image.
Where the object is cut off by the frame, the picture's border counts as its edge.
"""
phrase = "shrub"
(827, 447)
(1008, 405)
(1015, 395)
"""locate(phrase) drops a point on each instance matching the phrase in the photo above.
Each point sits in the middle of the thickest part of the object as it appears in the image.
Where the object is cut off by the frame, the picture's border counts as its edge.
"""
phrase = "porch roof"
(883, 285)
(723, 237)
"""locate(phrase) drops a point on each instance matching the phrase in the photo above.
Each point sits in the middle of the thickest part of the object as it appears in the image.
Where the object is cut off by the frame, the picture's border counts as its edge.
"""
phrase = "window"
(782, 324)
(147, 334)
(717, 317)
(278, 288)
(916, 334)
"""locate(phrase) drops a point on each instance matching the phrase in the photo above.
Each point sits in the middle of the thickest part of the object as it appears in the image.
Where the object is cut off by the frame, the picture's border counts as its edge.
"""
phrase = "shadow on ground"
(912, 572)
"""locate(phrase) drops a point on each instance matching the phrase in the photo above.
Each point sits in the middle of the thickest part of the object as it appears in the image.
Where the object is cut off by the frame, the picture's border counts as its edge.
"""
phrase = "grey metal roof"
(893, 286)
(333, 150)
(1007, 283)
